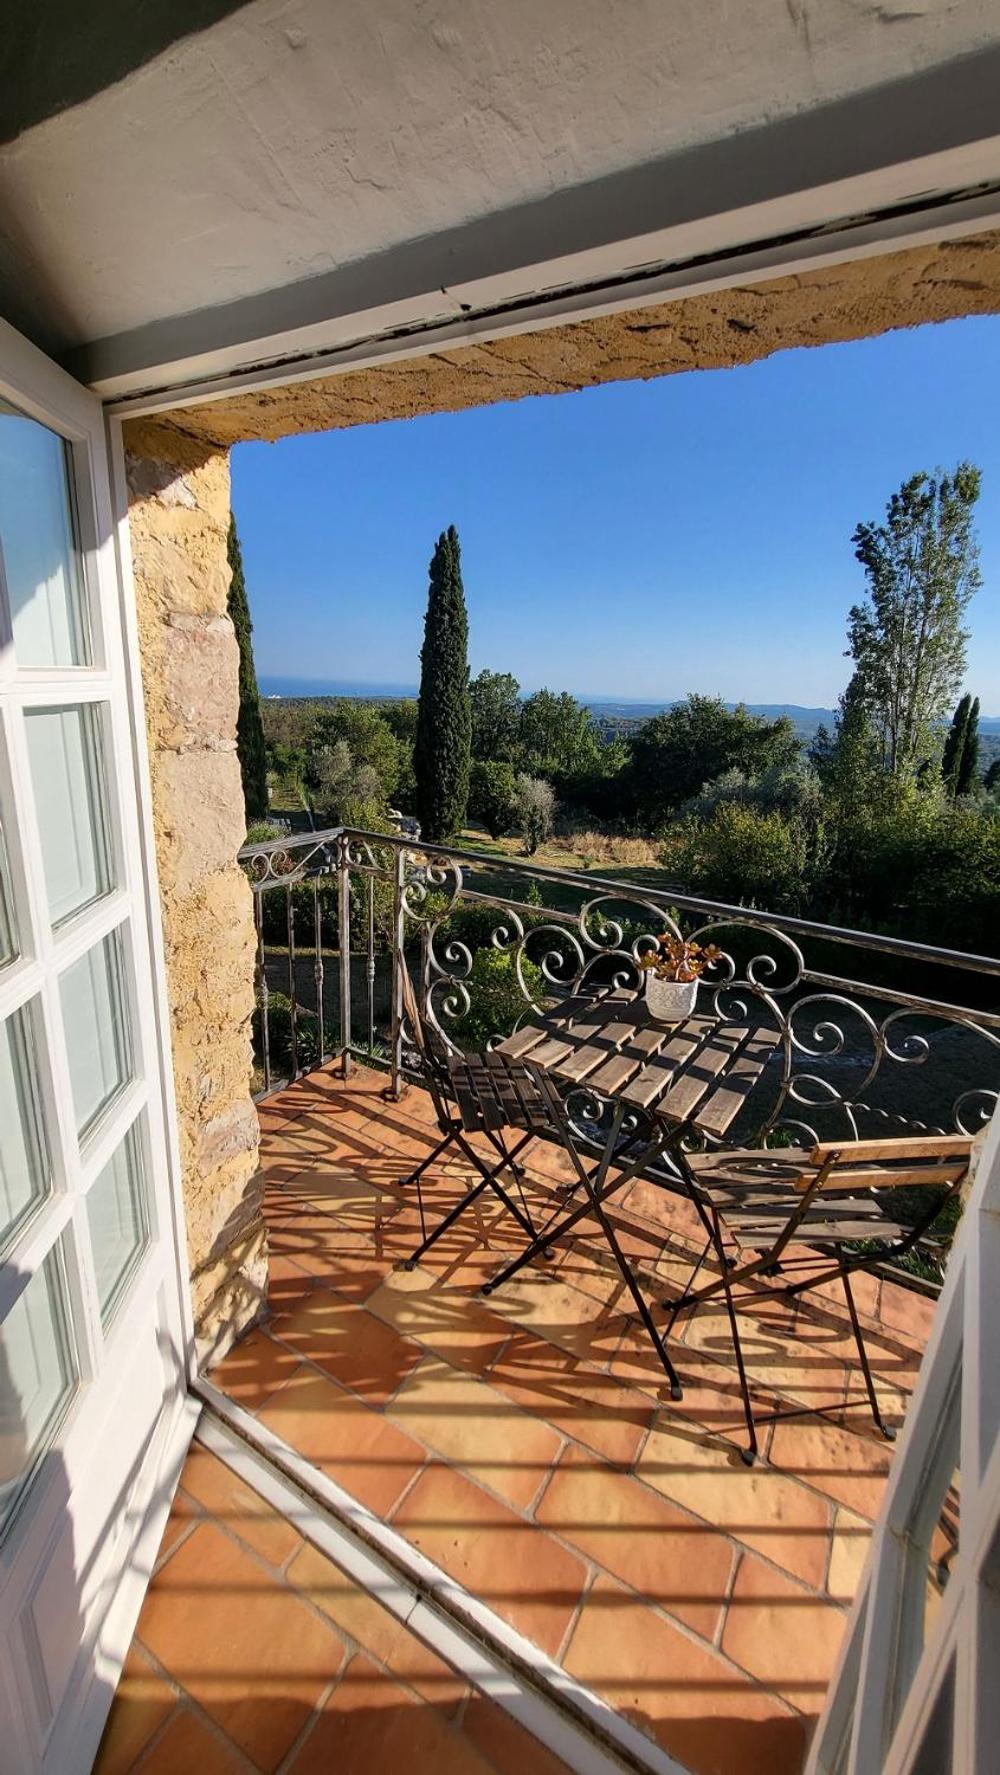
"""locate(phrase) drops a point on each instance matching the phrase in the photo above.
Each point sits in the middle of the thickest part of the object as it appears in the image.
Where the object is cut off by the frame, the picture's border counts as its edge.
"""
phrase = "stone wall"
(179, 517)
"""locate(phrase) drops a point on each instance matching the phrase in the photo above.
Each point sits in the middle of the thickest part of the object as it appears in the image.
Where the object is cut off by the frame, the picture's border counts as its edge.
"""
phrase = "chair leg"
(488, 1180)
(748, 1454)
(424, 1165)
(880, 1424)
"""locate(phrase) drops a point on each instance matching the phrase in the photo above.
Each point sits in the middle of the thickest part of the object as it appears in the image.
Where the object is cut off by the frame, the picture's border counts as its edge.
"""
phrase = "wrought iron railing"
(877, 1034)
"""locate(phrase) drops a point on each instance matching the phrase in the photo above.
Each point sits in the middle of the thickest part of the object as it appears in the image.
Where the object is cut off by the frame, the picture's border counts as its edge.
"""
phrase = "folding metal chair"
(441, 1070)
(827, 1200)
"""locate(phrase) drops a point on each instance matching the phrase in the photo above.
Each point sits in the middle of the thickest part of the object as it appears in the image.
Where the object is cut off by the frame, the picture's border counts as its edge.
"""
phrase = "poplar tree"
(250, 746)
(444, 717)
(907, 637)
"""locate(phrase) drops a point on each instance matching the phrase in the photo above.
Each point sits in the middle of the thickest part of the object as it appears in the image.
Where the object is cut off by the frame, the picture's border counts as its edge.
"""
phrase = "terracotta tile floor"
(527, 1445)
(255, 1652)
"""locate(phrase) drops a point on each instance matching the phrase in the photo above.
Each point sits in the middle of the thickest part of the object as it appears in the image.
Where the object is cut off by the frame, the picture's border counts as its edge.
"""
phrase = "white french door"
(93, 1409)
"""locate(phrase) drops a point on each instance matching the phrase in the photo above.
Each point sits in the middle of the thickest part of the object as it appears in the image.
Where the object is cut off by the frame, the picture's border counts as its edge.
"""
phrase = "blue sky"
(639, 540)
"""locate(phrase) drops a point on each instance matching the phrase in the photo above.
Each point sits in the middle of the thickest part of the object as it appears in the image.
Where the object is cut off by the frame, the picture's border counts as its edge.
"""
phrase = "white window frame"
(860, 1732)
(35, 386)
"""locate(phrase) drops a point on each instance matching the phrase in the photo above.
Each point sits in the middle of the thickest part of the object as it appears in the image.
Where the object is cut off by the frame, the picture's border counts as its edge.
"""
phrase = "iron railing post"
(398, 963)
(344, 919)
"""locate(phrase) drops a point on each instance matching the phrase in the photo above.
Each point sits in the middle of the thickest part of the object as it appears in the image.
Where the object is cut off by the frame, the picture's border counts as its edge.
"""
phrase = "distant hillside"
(805, 721)
(605, 709)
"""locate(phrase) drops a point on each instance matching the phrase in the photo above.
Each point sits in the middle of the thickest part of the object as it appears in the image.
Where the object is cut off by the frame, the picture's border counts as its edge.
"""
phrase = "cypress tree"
(250, 745)
(954, 745)
(444, 716)
(968, 767)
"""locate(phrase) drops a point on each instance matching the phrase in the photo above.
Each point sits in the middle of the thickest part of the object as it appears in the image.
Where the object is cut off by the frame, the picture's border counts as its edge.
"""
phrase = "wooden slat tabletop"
(698, 1070)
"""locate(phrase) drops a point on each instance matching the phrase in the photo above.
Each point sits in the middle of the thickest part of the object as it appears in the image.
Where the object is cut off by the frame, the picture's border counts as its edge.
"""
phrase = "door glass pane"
(24, 1171)
(119, 1223)
(38, 1375)
(39, 555)
(66, 750)
(8, 940)
(95, 1018)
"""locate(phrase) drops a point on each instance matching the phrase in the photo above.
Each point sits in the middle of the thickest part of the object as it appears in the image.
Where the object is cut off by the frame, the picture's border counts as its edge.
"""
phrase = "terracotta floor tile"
(358, 1349)
(701, 1710)
(782, 1634)
(519, 1571)
(588, 1405)
(849, 1467)
(774, 1359)
(189, 1745)
(851, 1538)
(902, 1309)
(288, 1283)
(473, 1425)
(511, 1749)
(142, 1702)
(585, 1325)
(677, 1217)
(376, 1631)
(254, 1369)
(237, 1507)
(370, 1723)
(676, 1562)
(239, 1642)
(369, 1457)
(422, 1306)
(765, 1510)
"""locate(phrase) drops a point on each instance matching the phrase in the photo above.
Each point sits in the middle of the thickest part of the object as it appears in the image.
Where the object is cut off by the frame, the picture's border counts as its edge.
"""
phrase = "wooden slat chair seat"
(828, 1199)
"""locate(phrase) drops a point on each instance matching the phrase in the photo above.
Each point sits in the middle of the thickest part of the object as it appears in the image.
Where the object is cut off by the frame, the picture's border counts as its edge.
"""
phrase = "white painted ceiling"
(295, 137)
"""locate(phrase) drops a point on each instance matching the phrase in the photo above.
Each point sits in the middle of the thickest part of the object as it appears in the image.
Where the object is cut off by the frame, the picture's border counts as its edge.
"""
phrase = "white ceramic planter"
(669, 1000)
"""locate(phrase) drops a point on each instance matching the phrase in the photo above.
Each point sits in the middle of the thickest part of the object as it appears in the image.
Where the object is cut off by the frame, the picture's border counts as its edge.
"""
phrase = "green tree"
(954, 746)
(444, 721)
(992, 777)
(370, 742)
(493, 796)
(968, 769)
(696, 741)
(536, 804)
(557, 734)
(249, 727)
(906, 637)
(495, 699)
(849, 762)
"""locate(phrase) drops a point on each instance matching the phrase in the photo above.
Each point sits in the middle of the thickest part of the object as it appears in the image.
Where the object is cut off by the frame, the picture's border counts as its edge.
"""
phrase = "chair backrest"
(904, 1162)
(430, 1045)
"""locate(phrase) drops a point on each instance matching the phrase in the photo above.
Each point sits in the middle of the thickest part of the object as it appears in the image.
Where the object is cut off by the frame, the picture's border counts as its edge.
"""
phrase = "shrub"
(496, 998)
(493, 797)
(742, 856)
(536, 806)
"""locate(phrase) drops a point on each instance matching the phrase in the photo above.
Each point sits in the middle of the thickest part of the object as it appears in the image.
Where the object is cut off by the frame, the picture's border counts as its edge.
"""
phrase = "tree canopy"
(495, 699)
(675, 753)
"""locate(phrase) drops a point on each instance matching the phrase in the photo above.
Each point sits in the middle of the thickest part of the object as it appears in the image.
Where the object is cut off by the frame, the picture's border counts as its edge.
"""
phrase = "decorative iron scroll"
(843, 1060)
(852, 1058)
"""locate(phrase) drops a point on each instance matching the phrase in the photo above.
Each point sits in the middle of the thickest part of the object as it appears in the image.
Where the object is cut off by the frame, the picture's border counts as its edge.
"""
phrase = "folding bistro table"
(659, 1084)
